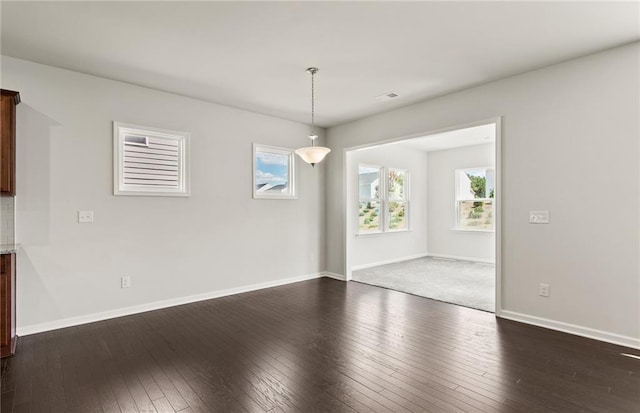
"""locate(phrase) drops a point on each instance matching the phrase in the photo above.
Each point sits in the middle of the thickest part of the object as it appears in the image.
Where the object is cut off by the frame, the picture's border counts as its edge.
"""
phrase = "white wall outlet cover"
(543, 290)
(85, 217)
(538, 217)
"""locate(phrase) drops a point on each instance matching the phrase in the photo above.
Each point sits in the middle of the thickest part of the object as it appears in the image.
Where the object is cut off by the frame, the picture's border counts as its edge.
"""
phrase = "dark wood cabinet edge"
(10, 190)
(12, 348)
(13, 93)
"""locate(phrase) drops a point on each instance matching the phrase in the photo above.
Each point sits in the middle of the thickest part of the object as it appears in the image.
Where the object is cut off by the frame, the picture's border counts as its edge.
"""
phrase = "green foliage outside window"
(478, 185)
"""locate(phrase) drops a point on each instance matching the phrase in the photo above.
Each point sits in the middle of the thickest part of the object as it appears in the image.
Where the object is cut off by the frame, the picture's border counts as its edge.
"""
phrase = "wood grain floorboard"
(316, 346)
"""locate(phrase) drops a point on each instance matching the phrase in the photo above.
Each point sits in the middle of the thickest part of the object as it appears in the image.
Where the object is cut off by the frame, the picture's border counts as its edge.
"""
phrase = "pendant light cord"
(313, 110)
(313, 71)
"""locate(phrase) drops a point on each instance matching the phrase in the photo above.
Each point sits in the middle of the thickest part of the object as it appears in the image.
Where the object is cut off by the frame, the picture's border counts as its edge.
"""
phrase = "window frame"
(406, 199)
(458, 200)
(120, 130)
(379, 200)
(292, 193)
(384, 200)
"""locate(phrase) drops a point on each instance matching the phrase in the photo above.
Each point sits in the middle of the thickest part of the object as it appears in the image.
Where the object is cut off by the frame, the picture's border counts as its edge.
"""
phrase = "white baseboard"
(391, 261)
(510, 315)
(335, 276)
(455, 257)
(156, 305)
(572, 329)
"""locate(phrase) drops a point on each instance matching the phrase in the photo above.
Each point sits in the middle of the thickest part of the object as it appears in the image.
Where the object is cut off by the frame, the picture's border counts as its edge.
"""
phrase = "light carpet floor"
(465, 283)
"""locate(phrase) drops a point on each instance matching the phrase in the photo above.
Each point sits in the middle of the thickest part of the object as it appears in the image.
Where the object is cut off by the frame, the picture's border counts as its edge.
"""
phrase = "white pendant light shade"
(313, 154)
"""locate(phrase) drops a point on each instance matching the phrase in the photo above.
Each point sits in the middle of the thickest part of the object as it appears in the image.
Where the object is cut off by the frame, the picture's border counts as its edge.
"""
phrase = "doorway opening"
(423, 215)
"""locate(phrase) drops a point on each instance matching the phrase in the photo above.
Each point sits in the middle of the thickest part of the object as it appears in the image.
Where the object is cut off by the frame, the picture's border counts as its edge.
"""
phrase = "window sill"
(366, 234)
(474, 230)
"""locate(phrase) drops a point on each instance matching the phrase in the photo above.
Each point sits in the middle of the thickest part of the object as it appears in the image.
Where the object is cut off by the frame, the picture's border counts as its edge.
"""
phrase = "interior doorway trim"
(348, 270)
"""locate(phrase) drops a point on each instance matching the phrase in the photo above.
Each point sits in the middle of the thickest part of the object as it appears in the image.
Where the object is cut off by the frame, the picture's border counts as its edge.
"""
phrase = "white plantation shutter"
(155, 163)
(150, 161)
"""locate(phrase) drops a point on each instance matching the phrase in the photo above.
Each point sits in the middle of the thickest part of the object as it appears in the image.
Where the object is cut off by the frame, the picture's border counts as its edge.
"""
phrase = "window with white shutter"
(150, 161)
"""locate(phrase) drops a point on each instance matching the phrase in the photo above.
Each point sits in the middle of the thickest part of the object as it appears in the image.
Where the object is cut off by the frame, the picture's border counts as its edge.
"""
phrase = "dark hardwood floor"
(317, 346)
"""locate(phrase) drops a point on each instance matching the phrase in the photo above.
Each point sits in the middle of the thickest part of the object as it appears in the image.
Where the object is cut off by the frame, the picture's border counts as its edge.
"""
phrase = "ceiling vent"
(387, 96)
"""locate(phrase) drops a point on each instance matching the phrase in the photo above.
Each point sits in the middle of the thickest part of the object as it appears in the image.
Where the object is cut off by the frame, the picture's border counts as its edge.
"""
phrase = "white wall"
(570, 145)
(219, 238)
(372, 249)
(442, 237)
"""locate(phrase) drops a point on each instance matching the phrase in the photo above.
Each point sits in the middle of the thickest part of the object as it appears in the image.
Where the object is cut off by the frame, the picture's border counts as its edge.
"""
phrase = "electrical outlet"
(125, 282)
(543, 290)
(538, 217)
(85, 217)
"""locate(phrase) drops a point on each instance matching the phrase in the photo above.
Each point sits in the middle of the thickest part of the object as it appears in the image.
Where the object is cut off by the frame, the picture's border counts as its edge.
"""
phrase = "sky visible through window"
(271, 168)
(476, 172)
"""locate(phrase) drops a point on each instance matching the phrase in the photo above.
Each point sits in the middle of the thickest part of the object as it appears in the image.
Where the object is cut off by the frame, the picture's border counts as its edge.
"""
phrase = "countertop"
(9, 248)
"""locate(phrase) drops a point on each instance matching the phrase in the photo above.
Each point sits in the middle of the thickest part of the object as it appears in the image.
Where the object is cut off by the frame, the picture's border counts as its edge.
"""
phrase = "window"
(273, 172)
(383, 203)
(397, 197)
(149, 161)
(475, 191)
(369, 183)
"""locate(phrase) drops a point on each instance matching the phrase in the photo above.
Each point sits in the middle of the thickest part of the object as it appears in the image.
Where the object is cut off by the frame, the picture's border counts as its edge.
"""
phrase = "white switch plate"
(85, 217)
(125, 282)
(543, 290)
(538, 217)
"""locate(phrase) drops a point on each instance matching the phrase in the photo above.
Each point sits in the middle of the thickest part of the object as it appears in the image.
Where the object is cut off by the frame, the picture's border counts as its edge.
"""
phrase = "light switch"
(85, 217)
(538, 217)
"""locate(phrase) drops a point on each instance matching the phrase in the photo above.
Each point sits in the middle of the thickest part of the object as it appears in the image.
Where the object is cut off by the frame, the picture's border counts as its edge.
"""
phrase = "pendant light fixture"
(313, 154)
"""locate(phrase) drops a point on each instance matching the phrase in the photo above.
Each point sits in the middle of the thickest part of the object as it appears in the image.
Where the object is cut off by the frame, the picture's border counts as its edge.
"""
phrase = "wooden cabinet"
(8, 101)
(7, 304)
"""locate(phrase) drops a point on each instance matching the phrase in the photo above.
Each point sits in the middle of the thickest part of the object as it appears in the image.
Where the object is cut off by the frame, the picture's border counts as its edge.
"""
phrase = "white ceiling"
(475, 135)
(253, 56)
